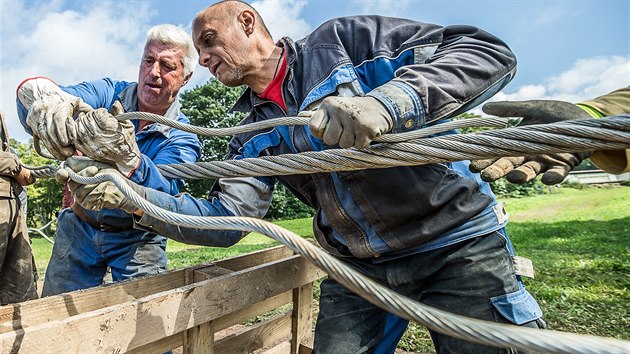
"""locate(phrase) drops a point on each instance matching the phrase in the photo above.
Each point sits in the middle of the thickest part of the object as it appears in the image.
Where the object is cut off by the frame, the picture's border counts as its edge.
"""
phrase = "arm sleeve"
(613, 103)
(180, 148)
(9, 164)
(467, 68)
(434, 72)
(247, 196)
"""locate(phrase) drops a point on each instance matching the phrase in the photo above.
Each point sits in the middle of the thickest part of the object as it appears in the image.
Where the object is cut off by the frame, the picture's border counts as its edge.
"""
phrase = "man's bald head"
(227, 10)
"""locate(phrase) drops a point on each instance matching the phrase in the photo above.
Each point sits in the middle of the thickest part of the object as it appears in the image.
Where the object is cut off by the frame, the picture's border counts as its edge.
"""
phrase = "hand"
(536, 111)
(519, 170)
(350, 121)
(102, 137)
(554, 167)
(24, 177)
(104, 195)
(51, 119)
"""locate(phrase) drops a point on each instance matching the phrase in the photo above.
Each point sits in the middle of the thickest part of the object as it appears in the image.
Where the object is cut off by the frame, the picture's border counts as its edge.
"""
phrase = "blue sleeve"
(180, 148)
(98, 93)
(22, 113)
(186, 204)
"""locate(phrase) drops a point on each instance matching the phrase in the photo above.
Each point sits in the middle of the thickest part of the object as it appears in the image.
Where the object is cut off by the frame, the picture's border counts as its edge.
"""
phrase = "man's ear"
(186, 79)
(247, 19)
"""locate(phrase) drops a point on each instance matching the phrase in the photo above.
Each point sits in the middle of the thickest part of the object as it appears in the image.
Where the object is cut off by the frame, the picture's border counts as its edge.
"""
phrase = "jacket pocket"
(518, 307)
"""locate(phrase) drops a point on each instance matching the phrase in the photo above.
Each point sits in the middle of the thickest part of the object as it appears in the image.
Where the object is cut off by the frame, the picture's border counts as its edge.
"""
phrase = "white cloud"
(283, 17)
(587, 78)
(381, 7)
(104, 39)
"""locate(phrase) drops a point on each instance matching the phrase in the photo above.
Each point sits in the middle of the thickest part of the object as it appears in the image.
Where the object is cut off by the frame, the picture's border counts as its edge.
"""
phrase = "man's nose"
(204, 58)
(155, 69)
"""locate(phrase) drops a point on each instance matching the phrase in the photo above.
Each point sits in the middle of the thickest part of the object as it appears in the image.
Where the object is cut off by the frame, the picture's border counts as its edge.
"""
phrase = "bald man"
(434, 233)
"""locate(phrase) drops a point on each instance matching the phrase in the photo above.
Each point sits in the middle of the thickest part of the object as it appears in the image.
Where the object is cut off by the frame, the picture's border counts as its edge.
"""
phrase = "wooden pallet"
(182, 308)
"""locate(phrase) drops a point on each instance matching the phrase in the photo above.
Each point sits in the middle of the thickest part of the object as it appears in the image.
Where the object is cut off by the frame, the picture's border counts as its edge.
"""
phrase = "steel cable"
(574, 136)
(570, 136)
(469, 329)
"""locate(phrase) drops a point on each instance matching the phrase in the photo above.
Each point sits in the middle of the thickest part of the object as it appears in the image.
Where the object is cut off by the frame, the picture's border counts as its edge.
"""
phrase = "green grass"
(579, 241)
(182, 255)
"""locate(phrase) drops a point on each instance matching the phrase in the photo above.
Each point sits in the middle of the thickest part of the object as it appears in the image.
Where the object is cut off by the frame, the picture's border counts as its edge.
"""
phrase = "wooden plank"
(255, 258)
(160, 346)
(30, 313)
(223, 322)
(257, 336)
(301, 323)
(257, 309)
(138, 322)
(305, 349)
(209, 272)
(17, 316)
(282, 348)
(201, 339)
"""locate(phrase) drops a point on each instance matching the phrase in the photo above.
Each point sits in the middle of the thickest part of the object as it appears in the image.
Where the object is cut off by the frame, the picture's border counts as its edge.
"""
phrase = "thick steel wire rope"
(41, 171)
(492, 122)
(469, 329)
(585, 135)
(303, 120)
(611, 133)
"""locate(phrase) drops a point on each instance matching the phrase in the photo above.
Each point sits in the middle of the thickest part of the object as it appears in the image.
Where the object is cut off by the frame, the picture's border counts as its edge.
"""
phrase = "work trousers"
(474, 278)
(18, 275)
(82, 254)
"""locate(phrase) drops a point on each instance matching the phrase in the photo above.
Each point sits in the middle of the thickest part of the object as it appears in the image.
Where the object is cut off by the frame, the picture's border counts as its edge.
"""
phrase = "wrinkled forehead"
(210, 21)
(157, 48)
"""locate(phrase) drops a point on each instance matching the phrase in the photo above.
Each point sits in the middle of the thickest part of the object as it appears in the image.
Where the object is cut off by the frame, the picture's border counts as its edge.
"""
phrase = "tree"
(209, 106)
(44, 197)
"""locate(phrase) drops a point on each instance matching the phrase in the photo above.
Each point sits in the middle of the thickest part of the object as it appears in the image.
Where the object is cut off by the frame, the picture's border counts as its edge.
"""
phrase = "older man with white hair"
(75, 118)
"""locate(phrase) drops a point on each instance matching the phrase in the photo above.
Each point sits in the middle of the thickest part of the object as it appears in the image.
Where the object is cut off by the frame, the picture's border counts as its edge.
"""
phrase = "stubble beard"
(232, 78)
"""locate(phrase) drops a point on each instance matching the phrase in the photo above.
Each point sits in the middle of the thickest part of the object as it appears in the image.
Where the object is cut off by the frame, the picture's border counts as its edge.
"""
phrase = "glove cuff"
(35, 88)
(402, 103)
(128, 167)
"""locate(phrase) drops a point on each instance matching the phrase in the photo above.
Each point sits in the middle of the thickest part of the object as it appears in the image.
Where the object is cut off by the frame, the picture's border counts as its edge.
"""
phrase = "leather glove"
(350, 121)
(50, 115)
(554, 167)
(101, 137)
(104, 195)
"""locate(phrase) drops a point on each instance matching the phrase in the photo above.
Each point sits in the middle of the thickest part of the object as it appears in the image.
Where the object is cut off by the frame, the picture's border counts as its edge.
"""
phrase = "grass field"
(579, 241)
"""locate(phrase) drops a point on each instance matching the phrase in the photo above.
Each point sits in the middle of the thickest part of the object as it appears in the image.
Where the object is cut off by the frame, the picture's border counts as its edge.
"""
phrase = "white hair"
(170, 34)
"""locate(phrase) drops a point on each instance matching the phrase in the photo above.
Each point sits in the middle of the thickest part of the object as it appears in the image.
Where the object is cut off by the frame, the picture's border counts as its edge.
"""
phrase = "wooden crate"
(181, 308)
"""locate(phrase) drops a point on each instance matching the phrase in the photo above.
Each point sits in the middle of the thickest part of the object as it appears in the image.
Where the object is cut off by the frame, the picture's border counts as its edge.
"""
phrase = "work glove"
(519, 170)
(350, 121)
(104, 195)
(50, 115)
(101, 137)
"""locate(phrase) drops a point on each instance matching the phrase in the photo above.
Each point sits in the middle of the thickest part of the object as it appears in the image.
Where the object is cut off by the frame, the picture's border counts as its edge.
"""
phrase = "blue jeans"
(81, 255)
(474, 278)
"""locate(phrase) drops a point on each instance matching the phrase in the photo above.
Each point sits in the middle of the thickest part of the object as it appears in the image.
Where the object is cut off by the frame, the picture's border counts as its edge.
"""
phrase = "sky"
(568, 50)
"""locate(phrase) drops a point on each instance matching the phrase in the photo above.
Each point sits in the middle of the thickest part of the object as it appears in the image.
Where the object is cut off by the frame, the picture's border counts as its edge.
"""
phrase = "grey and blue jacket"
(424, 74)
